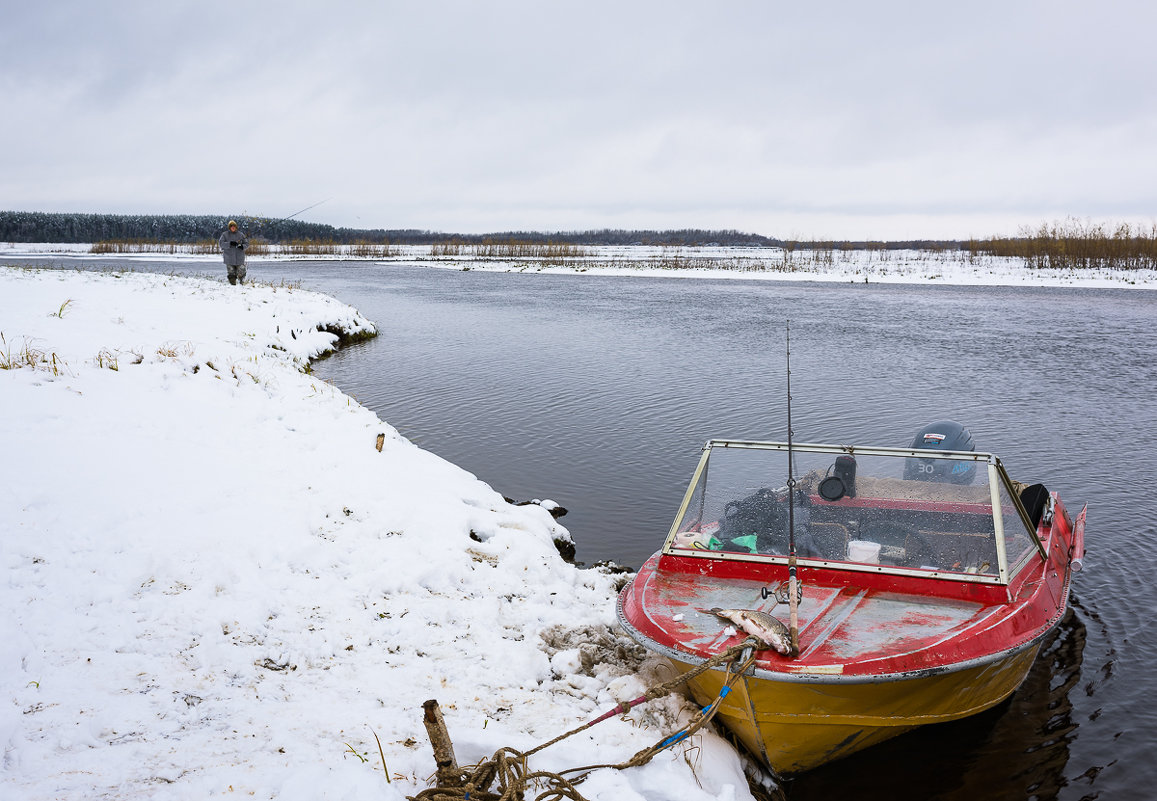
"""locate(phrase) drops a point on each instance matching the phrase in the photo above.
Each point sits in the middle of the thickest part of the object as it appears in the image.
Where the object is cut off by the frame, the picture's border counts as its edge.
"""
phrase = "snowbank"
(956, 268)
(217, 585)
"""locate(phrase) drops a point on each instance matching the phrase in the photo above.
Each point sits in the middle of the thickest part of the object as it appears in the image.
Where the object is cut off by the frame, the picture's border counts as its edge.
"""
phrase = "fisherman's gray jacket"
(233, 245)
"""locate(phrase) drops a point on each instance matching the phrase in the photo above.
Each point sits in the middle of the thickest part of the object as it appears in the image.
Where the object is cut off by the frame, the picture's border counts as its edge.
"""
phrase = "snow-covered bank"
(216, 584)
(773, 264)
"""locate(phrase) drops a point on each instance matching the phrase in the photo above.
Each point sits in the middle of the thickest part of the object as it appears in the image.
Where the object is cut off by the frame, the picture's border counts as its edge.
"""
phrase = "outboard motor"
(944, 435)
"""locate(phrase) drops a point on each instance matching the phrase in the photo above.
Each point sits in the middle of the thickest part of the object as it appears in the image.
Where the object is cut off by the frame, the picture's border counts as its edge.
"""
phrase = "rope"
(508, 766)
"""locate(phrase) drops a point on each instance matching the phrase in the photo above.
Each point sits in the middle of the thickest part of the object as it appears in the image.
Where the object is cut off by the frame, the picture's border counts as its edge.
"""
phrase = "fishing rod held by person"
(307, 208)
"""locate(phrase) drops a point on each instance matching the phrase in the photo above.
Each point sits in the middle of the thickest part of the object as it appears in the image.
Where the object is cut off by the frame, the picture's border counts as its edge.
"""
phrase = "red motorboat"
(929, 581)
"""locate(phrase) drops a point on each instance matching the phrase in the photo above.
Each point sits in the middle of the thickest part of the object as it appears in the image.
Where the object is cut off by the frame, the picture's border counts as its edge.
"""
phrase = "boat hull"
(796, 726)
(936, 614)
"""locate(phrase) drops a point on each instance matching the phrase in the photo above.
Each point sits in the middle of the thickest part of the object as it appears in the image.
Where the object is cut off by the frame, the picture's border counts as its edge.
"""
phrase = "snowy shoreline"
(924, 267)
(217, 584)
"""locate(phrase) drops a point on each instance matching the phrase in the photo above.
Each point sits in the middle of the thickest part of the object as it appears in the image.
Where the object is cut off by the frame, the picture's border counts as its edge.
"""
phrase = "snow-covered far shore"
(216, 583)
(928, 267)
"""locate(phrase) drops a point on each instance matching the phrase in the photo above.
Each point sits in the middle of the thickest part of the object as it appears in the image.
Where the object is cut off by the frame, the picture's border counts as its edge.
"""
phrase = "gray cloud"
(889, 119)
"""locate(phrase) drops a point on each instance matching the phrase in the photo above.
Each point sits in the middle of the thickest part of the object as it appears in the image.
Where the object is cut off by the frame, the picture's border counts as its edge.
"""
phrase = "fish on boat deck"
(767, 629)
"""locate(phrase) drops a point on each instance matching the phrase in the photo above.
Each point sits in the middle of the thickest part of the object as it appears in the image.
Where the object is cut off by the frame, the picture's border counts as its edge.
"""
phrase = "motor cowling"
(943, 435)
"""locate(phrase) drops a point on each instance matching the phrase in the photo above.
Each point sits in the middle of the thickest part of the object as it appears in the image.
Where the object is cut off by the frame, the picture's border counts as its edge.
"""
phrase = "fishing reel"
(782, 593)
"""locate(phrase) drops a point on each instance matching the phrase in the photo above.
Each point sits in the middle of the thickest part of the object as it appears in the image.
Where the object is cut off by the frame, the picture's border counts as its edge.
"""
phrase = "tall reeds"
(1074, 245)
(258, 246)
(365, 249)
(448, 249)
(507, 249)
(116, 246)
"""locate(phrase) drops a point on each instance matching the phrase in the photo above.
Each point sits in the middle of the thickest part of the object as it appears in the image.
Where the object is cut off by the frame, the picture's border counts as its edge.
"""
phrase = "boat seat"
(831, 539)
(961, 550)
(1034, 498)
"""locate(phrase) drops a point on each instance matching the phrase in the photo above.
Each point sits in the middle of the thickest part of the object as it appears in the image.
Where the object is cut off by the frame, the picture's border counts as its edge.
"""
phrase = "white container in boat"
(864, 551)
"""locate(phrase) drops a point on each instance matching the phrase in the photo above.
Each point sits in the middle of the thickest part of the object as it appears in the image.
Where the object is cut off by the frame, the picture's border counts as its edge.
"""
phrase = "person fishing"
(233, 243)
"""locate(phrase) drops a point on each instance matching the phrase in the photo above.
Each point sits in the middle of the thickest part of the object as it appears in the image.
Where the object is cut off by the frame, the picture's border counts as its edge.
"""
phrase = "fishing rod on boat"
(793, 582)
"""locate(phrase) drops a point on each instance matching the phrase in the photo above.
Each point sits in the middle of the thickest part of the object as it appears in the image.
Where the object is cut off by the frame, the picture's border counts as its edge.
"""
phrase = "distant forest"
(52, 227)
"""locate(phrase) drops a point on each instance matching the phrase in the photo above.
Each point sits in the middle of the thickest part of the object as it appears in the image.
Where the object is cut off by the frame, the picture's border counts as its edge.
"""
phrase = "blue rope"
(674, 738)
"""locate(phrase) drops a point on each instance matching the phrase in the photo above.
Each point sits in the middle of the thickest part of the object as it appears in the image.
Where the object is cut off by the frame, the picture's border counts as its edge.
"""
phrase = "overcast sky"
(887, 120)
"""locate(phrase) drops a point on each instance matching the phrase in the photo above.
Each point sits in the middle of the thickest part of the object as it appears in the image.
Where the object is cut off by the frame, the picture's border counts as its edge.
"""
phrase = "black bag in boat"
(763, 514)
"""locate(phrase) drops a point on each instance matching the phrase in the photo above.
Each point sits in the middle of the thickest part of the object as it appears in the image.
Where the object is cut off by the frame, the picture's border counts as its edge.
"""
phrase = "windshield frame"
(988, 465)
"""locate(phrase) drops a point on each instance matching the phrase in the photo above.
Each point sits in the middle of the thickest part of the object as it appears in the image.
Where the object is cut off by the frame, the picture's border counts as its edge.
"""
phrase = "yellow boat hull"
(800, 724)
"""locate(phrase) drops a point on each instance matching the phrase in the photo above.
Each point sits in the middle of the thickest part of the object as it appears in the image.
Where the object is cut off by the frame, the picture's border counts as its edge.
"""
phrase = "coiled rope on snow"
(506, 777)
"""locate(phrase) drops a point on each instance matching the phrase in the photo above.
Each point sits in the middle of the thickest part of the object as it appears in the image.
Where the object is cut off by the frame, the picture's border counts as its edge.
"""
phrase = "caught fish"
(767, 629)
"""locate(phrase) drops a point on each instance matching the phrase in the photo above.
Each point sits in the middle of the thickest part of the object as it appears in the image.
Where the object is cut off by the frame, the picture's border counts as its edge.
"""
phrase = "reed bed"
(364, 249)
(1075, 245)
(361, 249)
(120, 246)
(488, 249)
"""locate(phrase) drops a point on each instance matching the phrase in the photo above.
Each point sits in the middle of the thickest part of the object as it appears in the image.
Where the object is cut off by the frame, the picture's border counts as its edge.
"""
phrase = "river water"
(598, 392)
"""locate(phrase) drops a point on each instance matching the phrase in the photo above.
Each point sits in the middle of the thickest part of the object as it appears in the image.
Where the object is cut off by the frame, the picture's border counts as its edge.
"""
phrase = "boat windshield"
(873, 509)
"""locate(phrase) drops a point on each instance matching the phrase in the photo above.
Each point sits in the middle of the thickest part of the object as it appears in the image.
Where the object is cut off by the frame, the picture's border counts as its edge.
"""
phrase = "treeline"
(684, 237)
(55, 227)
(936, 245)
(34, 226)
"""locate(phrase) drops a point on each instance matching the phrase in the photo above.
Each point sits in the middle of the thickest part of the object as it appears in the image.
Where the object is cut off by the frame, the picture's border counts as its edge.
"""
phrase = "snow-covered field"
(216, 585)
(860, 266)
(874, 266)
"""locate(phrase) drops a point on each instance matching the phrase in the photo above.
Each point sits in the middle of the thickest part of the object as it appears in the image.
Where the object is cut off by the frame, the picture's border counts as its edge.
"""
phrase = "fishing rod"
(307, 208)
(261, 223)
(793, 582)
